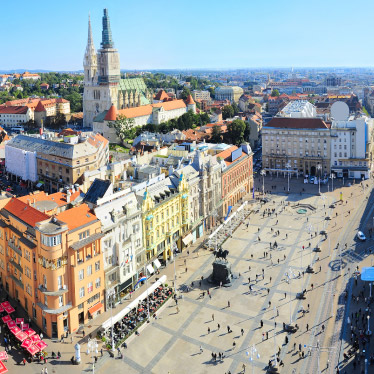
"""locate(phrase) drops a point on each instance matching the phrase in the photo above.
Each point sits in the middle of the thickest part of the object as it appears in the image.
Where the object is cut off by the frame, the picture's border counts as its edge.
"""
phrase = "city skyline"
(194, 36)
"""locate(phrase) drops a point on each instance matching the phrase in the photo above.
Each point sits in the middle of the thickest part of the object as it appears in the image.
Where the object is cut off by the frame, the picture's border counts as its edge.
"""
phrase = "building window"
(59, 282)
(81, 292)
(44, 281)
(84, 234)
(97, 266)
(89, 270)
(98, 282)
(45, 301)
(89, 287)
(58, 264)
(60, 301)
(81, 274)
(51, 241)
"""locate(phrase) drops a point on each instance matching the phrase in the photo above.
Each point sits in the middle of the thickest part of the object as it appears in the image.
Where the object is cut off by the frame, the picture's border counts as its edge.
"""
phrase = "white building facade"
(122, 244)
(350, 148)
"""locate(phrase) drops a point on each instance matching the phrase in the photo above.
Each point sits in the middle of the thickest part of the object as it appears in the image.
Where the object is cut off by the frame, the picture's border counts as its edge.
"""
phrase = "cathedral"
(103, 86)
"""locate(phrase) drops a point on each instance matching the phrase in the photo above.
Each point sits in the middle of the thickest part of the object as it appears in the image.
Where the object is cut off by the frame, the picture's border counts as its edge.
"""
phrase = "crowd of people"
(132, 320)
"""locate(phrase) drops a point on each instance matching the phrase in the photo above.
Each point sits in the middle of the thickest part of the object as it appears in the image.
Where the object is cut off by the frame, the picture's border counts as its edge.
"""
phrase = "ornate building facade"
(103, 85)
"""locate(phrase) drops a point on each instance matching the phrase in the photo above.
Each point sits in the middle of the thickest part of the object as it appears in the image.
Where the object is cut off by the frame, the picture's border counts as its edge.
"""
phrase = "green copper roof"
(107, 41)
(100, 117)
(135, 84)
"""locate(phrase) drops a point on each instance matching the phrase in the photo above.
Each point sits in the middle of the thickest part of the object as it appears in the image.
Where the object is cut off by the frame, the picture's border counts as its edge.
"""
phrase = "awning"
(367, 274)
(188, 239)
(157, 263)
(95, 308)
(150, 269)
(39, 184)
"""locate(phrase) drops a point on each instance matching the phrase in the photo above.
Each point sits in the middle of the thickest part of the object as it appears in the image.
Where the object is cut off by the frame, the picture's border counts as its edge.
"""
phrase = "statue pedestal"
(221, 273)
(309, 269)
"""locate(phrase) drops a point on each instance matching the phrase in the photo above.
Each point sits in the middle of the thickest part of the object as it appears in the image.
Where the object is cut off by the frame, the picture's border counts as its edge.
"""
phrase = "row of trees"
(237, 130)
(126, 130)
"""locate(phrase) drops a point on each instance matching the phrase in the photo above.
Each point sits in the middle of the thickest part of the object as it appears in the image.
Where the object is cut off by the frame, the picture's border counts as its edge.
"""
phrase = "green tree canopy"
(235, 131)
(185, 93)
(227, 112)
(124, 127)
(275, 93)
(216, 134)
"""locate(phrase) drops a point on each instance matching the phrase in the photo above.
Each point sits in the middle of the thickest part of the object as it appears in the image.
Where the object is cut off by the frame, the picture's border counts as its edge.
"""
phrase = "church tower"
(101, 74)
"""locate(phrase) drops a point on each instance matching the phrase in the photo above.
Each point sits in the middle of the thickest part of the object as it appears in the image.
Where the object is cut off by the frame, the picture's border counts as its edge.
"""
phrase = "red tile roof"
(161, 95)
(297, 123)
(25, 212)
(146, 110)
(77, 216)
(14, 110)
(59, 198)
(111, 114)
(226, 155)
(189, 100)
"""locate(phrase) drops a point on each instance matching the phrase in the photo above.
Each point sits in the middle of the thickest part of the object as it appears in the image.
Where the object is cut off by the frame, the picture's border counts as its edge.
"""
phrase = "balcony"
(14, 247)
(17, 266)
(60, 292)
(17, 281)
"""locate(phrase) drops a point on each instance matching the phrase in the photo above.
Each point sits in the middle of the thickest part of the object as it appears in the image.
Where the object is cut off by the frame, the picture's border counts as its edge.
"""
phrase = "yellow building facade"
(165, 211)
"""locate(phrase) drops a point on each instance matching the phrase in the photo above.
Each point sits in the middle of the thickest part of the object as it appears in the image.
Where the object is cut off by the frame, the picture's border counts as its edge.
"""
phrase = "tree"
(76, 101)
(275, 93)
(185, 92)
(227, 112)
(216, 136)
(247, 132)
(235, 108)
(124, 127)
(235, 131)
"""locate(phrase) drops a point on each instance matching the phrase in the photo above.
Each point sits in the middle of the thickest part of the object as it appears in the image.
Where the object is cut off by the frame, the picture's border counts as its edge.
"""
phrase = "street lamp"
(288, 280)
(288, 165)
(111, 293)
(263, 173)
(92, 348)
(319, 167)
(368, 332)
(252, 352)
(332, 176)
(175, 274)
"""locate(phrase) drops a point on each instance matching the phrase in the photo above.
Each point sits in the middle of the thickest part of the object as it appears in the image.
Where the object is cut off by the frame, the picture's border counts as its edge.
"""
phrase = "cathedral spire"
(107, 41)
(90, 49)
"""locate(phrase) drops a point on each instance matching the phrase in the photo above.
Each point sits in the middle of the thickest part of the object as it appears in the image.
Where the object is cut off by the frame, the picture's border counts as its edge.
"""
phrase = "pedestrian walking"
(243, 367)
(307, 327)
(218, 326)
(323, 328)
(228, 304)
(312, 286)
(262, 323)
(267, 335)
(101, 351)
(269, 304)
(71, 339)
(270, 279)
(242, 331)
(201, 349)
(177, 309)
(186, 270)
(213, 317)
(208, 330)
(45, 371)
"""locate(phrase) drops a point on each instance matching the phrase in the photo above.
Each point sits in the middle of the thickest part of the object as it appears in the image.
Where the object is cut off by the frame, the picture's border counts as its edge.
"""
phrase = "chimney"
(29, 202)
(68, 194)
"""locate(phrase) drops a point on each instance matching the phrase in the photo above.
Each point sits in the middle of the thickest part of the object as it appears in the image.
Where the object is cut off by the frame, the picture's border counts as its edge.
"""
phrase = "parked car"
(361, 236)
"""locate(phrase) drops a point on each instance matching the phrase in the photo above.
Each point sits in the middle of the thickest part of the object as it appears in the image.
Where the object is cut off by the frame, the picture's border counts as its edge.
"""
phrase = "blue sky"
(151, 34)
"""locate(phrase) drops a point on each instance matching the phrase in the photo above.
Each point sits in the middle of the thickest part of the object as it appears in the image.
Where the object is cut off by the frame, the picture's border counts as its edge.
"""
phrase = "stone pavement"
(171, 344)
